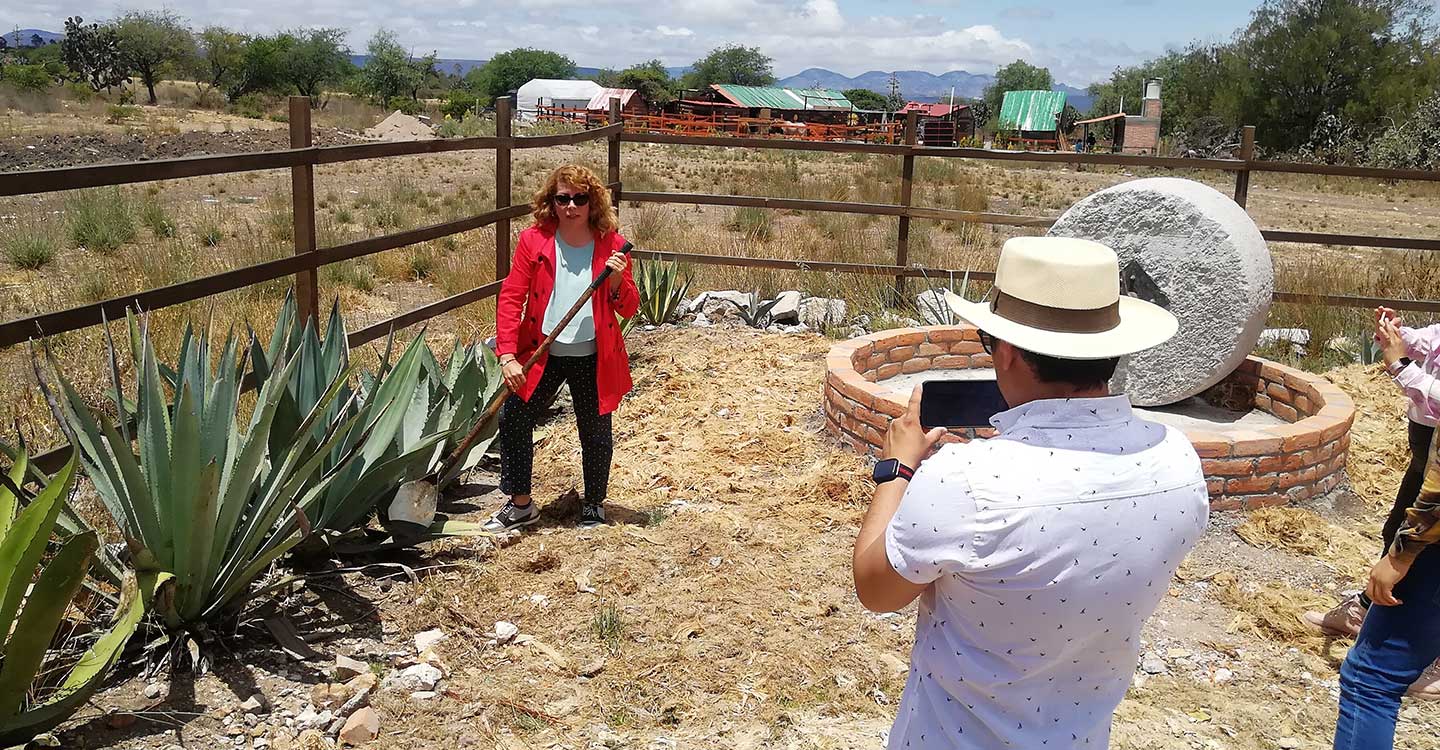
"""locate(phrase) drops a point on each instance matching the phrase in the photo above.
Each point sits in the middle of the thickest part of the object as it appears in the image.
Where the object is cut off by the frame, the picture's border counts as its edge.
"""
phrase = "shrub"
(153, 215)
(30, 247)
(27, 77)
(99, 220)
(754, 223)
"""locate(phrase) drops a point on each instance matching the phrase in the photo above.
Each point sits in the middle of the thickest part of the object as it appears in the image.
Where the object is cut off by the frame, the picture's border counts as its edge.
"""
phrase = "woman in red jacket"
(572, 240)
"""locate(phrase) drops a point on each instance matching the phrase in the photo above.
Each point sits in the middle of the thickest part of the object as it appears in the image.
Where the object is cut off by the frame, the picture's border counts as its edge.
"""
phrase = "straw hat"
(1061, 297)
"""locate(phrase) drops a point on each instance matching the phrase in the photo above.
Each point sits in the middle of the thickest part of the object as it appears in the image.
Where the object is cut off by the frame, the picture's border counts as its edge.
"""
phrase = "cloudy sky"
(1079, 41)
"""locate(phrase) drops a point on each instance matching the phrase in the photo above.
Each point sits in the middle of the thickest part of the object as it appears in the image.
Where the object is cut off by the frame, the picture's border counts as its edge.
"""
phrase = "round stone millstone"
(1194, 251)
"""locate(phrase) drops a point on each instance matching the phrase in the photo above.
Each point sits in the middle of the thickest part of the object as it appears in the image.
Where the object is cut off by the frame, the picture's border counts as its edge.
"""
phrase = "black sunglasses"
(565, 199)
(987, 342)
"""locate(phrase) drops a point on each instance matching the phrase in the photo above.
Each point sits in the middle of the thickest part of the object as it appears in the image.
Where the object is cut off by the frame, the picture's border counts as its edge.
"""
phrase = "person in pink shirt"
(1412, 359)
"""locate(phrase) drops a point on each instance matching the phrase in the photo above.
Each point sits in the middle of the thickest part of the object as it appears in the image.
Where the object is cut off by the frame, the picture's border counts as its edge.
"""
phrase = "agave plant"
(755, 313)
(662, 289)
(37, 692)
(107, 566)
(199, 495)
(416, 410)
(935, 306)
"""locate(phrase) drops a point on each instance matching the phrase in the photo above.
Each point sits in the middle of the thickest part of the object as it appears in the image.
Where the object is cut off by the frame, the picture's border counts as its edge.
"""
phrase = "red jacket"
(525, 293)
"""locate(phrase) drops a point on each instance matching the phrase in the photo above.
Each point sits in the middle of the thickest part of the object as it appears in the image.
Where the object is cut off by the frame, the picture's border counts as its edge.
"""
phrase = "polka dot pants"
(517, 428)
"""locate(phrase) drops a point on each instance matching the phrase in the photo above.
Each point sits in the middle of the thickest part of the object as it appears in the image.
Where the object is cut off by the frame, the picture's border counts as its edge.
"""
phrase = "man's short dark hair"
(1081, 373)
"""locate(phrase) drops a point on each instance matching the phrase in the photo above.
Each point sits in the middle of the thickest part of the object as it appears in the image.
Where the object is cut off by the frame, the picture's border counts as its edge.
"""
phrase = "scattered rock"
(820, 312)
(361, 727)
(154, 690)
(787, 308)
(255, 704)
(423, 695)
(1153, 664)
(592, 668)
(120, 720)
(329, 695)
(427, 640)
(420, 677)
(1288, 743)
(895, 663)
(934, 311)
(1223, 676)
(310, 719)
(505, 631)
(346, 668)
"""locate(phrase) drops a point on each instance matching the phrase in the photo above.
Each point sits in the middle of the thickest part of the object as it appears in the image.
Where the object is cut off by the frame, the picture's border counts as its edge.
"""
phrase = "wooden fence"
(302, 158)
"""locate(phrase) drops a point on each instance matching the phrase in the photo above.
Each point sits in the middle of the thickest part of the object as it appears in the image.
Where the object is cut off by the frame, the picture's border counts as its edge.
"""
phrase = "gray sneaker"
(511, 517)
(592, 515)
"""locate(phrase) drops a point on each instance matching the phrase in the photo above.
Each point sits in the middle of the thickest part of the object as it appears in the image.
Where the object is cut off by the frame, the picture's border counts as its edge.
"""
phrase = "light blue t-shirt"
(572, 276)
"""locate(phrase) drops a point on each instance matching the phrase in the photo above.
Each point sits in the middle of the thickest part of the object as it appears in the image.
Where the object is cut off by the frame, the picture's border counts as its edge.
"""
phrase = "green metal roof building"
(776, 98)
(1031, 111)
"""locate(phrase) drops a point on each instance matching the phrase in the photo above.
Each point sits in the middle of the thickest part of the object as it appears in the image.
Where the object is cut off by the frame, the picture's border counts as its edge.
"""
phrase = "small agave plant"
(755, 313)
(40, 684)
(662, 290)
(201, 494)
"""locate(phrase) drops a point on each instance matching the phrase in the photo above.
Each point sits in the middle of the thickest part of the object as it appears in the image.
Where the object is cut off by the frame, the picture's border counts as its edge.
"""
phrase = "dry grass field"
(719, 600)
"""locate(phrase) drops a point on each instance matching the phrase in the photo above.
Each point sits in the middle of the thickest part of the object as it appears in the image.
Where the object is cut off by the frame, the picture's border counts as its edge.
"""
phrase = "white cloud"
(798, 34)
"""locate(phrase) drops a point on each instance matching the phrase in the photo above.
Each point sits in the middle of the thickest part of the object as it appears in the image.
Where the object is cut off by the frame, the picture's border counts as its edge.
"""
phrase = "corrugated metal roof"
(1031, 110)
(601, 100)
(775, 97)
(931, 109)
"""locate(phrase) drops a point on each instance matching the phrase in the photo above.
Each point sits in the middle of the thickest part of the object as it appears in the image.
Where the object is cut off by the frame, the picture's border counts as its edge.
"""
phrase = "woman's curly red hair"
(602, 214)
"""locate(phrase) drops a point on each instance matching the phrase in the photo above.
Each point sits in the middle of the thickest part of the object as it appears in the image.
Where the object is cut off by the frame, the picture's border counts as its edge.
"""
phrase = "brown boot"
(1427, 687)
(1344, 620)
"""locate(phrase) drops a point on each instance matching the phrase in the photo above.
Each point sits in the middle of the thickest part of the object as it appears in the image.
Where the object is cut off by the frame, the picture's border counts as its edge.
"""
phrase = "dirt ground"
(716, 611)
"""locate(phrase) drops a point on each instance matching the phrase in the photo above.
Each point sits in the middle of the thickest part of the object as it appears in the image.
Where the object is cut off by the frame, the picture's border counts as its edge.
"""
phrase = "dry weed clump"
(1306, 533)
(1379, 452)
(1271, 610)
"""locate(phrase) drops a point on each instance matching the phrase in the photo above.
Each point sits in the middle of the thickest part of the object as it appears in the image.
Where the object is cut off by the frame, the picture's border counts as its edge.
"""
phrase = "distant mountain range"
(24, 35)
(916, 85)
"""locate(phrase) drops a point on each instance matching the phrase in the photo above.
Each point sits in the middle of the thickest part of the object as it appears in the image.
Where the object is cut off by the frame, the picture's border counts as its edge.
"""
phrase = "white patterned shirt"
(1046, 548)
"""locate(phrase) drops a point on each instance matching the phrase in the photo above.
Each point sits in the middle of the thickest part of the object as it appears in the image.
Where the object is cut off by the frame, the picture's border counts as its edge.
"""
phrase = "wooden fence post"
(302, 199)
(1247, 154)
(502, 186)
(614, 147)
(907, 180)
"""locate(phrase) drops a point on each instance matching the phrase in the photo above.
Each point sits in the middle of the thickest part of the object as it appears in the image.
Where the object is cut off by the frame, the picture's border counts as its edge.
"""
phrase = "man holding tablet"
(1036, 555)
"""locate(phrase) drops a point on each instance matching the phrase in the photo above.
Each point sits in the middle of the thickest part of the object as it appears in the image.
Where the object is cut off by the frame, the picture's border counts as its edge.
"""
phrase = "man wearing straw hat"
(1036, 555)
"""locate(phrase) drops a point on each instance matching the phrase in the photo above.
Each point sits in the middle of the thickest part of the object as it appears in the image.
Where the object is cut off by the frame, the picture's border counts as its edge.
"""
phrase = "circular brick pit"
(1282, 435)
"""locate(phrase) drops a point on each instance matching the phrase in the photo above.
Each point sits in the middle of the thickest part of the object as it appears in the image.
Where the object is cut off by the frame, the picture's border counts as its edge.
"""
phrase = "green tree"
(509, 71)
(650, 78)
(221, 56)
(745, 66)
(262, 68)
(152, 43)
(313, 58)
(92, 52)
(1360, 60)
(388, 71)
(1017, 76)
(27, 77)
(865, 99)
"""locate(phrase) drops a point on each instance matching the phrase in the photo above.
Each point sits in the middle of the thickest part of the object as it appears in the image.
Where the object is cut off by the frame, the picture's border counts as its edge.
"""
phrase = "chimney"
(1150, 106)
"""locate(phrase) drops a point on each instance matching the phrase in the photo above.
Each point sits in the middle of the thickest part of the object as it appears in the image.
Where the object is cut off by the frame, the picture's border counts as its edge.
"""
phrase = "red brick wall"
(1253, 468)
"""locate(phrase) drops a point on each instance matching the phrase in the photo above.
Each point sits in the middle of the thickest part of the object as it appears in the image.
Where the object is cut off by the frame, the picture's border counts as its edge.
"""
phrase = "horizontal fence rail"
(68, 178)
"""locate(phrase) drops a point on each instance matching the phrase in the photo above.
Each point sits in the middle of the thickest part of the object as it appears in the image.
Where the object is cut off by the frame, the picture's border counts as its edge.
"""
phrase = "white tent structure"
(550, 92)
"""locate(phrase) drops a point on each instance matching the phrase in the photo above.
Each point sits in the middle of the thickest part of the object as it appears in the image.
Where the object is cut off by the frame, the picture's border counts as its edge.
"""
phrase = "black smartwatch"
(891, 469)
(1399, 365)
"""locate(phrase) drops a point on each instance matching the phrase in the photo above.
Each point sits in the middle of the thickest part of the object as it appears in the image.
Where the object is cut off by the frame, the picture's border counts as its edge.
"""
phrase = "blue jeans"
(1394, 646)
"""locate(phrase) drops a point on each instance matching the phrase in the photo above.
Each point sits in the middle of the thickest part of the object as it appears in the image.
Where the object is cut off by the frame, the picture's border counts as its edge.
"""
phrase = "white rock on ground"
(1206, 255)
(427, 640)
(818, 312)
(420, 677)
(505, 631)
(933, 309)
(787, 308)
(255, 704)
